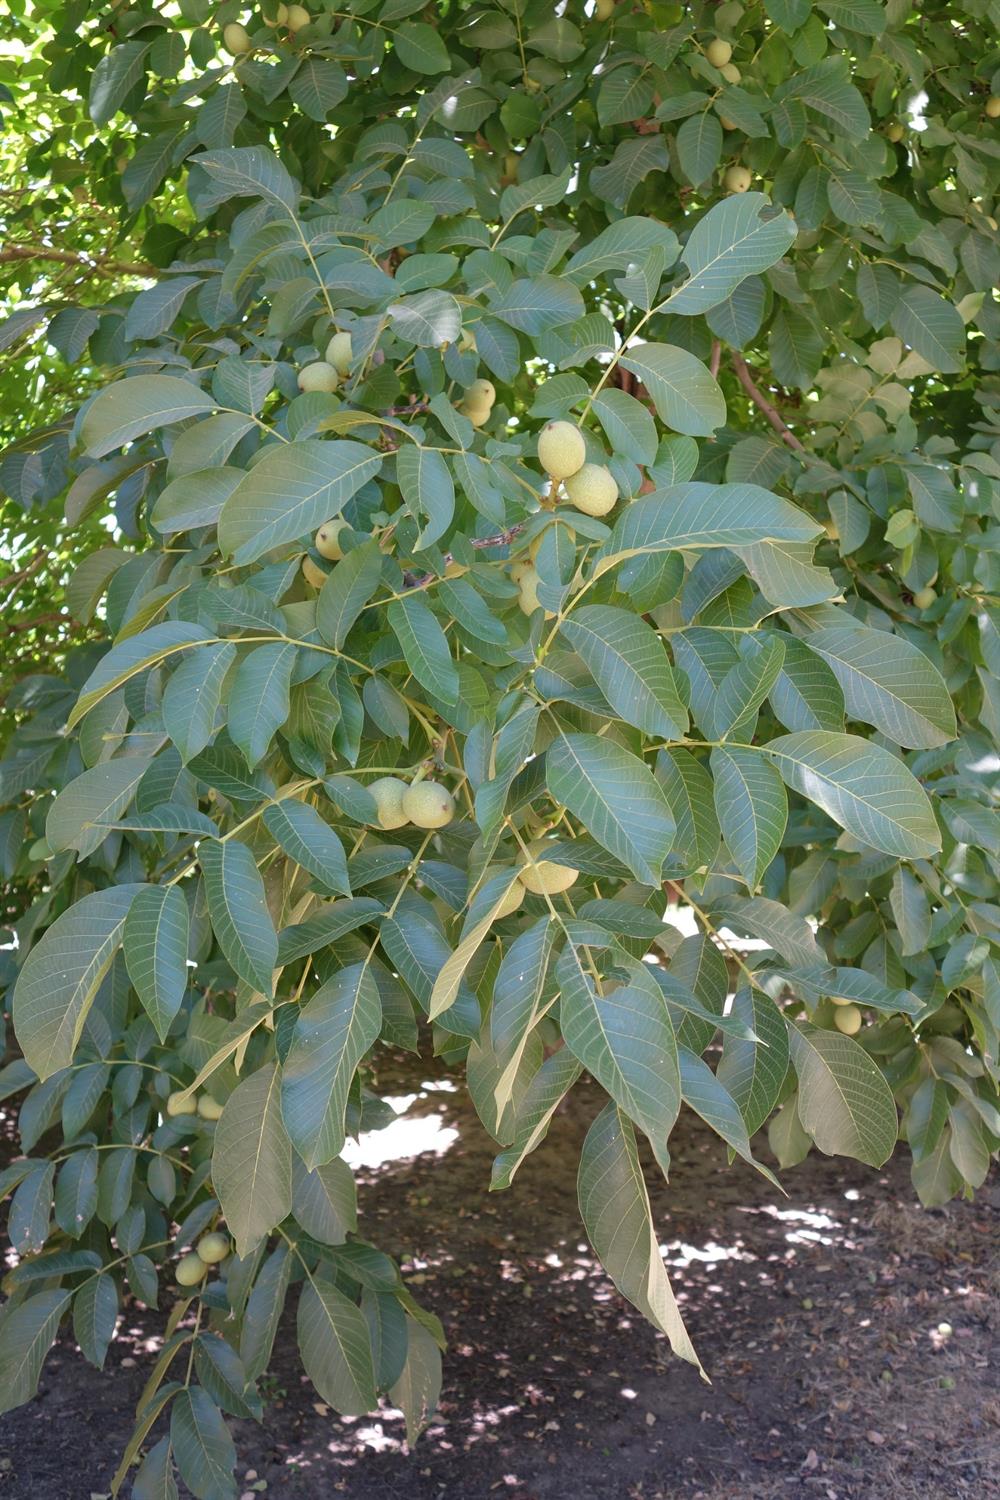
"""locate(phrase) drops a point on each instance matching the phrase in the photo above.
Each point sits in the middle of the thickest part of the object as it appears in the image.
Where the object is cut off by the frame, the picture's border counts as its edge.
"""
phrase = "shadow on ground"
(852, 1341)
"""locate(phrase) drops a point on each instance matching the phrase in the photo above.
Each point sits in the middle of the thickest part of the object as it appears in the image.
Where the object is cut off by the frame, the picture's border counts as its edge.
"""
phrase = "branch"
(763, 404)
(75, 258)
(715, 358)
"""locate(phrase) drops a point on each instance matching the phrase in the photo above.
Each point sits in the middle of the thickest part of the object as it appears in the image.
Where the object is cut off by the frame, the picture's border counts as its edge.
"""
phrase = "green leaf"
(318, 87)
(95, 1313)
(336, 1348)
(425, 646)
(844, 1101)
(418, 1388)
(133, 656)
(618, 246)
(114, 78)
(931, 326)
(745, 686)
(624, 1038)
(27, 1333)
(306, 838)
(259, 701)
(428, 490)
(80, 815)
(703, 1093)
(332, 1034)
(737, 238)
(57, 985)
(130, 408)
(752, 809)
(889, 683)
(706, 515)
(630, 666)
(194, 499)
(615, 1209)
(615, 797)
(247, 172)
(685, 393)
(862, 787)
(539, 303)
(427, 319)
(155, 944)
(192, 696)
(252, 1160)
(753, 1070)
(238, 909)
(627, 424)
(324, 1201)
(346, 592)
(292, 490)
(155, 1479)
(699, 146)
(421, 48)
(202, 1445)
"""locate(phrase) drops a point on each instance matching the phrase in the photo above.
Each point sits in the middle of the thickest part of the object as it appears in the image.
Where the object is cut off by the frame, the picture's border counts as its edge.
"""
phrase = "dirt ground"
(853, 1341)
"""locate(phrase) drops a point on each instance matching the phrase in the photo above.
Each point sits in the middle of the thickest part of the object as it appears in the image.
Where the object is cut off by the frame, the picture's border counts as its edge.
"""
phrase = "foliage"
(766, 684)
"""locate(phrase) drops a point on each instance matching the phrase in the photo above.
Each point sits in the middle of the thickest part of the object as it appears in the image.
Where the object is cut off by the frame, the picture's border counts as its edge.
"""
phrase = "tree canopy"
(478, 476)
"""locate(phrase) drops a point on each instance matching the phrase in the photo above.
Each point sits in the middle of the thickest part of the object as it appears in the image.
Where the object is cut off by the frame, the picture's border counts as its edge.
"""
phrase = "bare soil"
(853, 1341)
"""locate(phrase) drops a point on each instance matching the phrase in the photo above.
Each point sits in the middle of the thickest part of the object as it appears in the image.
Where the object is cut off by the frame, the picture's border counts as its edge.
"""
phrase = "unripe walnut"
(327, 539)
(481, 393)
(737, 179)
(561, 449)
(339, 353)
(511, 901)
(895, 131)
(924, 598)
(388, 792)
(280, 17)
(718, 52)
(604, 10)
(528, 593)
(319, 376)
(178, 1105)
(212, 1248)
(236, 38)
(296, 16)
(190, 1270)
(592, 489)
(544, 876)
(730, 72)
(847, 1019)
(478, 415)
(209, 1108)
(993, 107)
(427, 804)
(313, 573)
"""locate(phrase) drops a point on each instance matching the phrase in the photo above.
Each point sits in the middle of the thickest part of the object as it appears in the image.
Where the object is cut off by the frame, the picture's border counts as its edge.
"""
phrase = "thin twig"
(715, 358)
(763, 404)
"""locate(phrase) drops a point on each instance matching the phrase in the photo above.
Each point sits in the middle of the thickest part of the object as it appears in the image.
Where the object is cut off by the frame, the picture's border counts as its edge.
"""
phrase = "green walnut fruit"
(847, 1019)
(993, 107)
(209, 1108)
(313, 573)
(481, 393)
(895, 132)
(327, 539)
(280, 17)
(730, 72)
(190, 1270)
(527, 598)
(319, 376)
(212, 1248)
(604, 10)
(737, 179)
(177, 1104)
(924, 598)
(296, 16)
(388, 792)
(727, 123)
(477, 415)
(592, 489)
(718, 52)
(236, 39)
(339, 353)
(544, 876)
(561, 449)
(466, 341)
(511, 901)
(427, 804)
(521, 569)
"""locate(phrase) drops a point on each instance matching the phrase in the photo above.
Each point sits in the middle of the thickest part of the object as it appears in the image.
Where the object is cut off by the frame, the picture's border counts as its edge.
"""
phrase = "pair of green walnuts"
(210, 1250)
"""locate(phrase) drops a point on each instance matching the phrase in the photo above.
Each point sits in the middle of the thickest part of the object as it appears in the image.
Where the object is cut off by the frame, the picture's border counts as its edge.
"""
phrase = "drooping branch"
(76, 258)
(759, 400)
